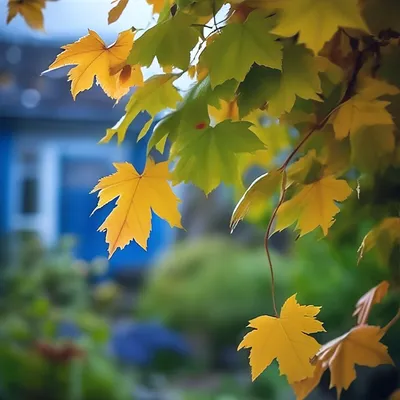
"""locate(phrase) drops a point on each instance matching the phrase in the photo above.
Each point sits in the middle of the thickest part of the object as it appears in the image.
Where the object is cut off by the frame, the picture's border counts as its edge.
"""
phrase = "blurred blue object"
(139, 343)
(67, 330)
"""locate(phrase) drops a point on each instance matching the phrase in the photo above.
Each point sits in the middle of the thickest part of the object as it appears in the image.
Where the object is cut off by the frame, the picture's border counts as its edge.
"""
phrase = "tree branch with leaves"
(312, 83)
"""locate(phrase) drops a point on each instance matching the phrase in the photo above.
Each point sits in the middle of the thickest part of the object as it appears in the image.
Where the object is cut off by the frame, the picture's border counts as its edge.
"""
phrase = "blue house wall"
(75, 203)
(5, 162)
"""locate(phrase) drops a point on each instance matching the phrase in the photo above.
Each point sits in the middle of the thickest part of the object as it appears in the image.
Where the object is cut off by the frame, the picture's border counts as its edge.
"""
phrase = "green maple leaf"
(170, 41)
(192, 111)
(234, 51)
(157, 94)
(299, 77)
(259, 85)
(209, 156)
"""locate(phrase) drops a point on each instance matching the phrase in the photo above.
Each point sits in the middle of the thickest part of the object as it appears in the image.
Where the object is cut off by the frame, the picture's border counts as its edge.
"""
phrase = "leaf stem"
(392, 321)
(266, 241)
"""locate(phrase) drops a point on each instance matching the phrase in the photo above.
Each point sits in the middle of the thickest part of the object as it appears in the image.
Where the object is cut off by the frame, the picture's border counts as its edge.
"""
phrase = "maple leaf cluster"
(302, 359)
(306, 89)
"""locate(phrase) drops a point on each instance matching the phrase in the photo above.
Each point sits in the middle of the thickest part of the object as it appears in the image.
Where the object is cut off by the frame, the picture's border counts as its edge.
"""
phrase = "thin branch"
(203, 26)
(214, 6)
(316, 127)
(346, 96)
(266, 240)
(224, 20)
(200, 48)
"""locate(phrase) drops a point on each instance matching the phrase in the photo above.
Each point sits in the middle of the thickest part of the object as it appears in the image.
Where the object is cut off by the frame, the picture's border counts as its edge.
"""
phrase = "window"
(29, 194)
(28, 182)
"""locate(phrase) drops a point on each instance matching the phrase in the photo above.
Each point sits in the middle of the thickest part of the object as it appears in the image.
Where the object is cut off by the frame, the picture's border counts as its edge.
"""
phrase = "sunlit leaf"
(137, 196)
(360, 346)
(317, 21)
(363, 109)
(286, 339)
(238, 46)
(208, 156)
(170, 41)
(313, 205)
(259, 191)
(94, 59)
(192, 113)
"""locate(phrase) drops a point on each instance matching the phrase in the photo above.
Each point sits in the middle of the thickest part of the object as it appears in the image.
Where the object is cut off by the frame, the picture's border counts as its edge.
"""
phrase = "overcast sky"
(70, 19)
(65, 21)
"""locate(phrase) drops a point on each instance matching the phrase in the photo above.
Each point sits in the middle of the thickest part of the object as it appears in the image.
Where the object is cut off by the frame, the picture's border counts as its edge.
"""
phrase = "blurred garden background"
(156, 325)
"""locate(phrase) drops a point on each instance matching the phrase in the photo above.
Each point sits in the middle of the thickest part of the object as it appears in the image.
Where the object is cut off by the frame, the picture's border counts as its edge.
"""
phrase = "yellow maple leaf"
(373, 296)
(384, 236)
(284, 338)
(227, 110)
(313, 205)
(138, 195)
(30, 10)
(361, 346)
(126, 76)
(117, 10)
(300, 169)
(395, 395)
(363, 109)
(304, 387)
(94, 59)
(317, 21)
(258, 192)
(357, 112)
(275, 135)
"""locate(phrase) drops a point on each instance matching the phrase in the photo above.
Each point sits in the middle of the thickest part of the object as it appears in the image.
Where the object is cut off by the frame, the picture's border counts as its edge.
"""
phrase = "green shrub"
(209, 285)
(47, 305)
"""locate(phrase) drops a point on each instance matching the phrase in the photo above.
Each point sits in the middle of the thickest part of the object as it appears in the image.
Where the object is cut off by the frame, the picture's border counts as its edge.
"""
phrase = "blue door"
(79, 174)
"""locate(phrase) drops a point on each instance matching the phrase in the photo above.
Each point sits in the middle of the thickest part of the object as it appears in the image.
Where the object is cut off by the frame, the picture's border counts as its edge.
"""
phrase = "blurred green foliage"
(52, 341)
(215, 285)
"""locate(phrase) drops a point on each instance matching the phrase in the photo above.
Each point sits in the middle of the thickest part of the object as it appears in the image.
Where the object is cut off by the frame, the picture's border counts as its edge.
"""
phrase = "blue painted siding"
(5, 165)
(76, 204)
